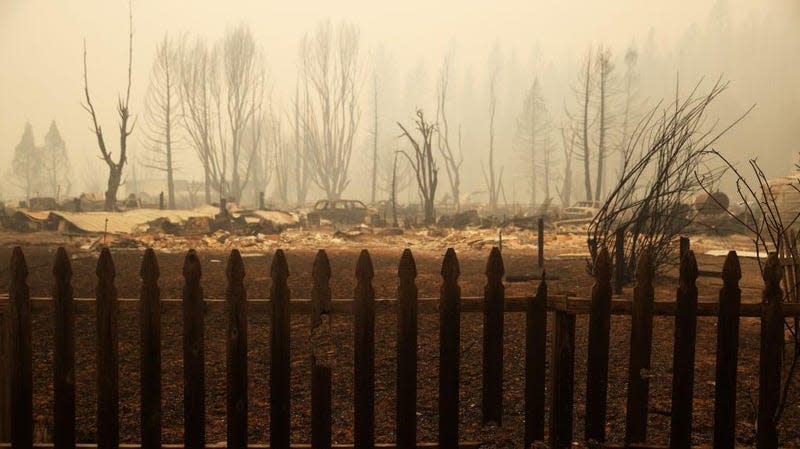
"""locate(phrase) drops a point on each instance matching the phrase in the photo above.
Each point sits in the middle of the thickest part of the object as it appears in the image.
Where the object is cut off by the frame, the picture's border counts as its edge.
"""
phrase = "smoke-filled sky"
(41, 49)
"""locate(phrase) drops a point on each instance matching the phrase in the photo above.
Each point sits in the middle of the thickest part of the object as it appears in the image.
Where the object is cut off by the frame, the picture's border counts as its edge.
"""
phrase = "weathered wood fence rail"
(16, 396)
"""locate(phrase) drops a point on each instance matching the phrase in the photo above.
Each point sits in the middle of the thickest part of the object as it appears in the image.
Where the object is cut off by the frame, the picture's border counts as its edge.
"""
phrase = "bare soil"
(573, 278)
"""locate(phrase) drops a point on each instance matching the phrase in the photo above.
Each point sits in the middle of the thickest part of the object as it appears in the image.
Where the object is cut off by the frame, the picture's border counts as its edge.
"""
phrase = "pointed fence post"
(535, 360)
(322, 353)
(493, 314)
(449, 351)
(684, 354)
(407, 351)
(107, 354)
(770, 362)
(63, 354)
(563, 380)
(194, 408)
(236, 352)
(641, 345)
(279, 382)
(598, 349)
(730, 300)
(5, 371)
(364, 363)
(21, 358)
(150, 351)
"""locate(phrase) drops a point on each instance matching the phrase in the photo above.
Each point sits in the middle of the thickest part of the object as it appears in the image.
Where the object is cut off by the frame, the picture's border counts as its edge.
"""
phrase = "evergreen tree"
(27, 163)
(55, 163)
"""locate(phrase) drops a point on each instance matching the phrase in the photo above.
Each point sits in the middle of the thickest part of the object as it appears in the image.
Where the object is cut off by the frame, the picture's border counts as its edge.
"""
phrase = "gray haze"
(754, 44)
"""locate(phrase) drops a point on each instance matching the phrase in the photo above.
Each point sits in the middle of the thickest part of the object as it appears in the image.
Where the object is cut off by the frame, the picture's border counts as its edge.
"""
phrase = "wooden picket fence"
(16, 400)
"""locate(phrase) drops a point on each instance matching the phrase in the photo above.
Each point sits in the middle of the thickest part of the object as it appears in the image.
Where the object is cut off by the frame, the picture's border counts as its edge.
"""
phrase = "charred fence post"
(493, 314)
(63, 354)
(194, 408)
(321, 353)
(598, 349)
(535, 359)
(5, 372)
(279, 424)
(562, 380)
(641, 343)
(236, 352)
(449, 351)
(684, 354)
(769, 371)
(407, 351)
(730, 300)
(364, 363)
(150, 351)
(21, 358)
(107, 354)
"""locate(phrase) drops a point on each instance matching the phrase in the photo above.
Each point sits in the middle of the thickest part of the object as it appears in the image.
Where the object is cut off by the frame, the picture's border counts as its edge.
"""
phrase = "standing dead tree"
(568, 145)
(452, 159)
(605, 88)
(668, 163)
(423, 164)
(199, 87)
(583, 122)
(629, 108)
(493, 179)
(125, 125)
(162, 109)
(532, 133)
(330, 72)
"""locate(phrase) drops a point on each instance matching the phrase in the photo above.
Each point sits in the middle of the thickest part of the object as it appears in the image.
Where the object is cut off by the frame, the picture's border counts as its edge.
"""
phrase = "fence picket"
(684, 354)
(598, 349)
(449, 351)
(321, 353)
(236, 351)
(769, 371)
(5, 373)
(730, 300)
(407, 351)
(364, 363)
(63, 353)
(107, 354)
(535, 359)
(619, 261)
(563, 380)
(194, 409)
(493, 314)
(21, 357)
(150, 351)
(279, 424)
(641, 342)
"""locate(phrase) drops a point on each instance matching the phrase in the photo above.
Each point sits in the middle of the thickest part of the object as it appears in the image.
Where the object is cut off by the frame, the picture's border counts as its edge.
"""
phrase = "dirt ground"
(573, 278)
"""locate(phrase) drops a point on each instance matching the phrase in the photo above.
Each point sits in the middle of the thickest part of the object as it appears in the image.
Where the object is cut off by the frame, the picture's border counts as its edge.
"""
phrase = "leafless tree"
(533, 126)
(199, 88)
(374, 177)
(280, 150)
(330, 63)
(223, 109)
(668, 164)
(606, 92)
(162, 114)
(453, 159)
(125, 125)
(244, 81)
(568, 145)
(493, 178)
(629, 112)
(423, 163)
(583, 121)
(301, 161)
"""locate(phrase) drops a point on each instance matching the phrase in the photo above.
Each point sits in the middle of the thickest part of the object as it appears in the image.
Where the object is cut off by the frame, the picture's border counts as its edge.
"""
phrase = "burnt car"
(338, 211)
